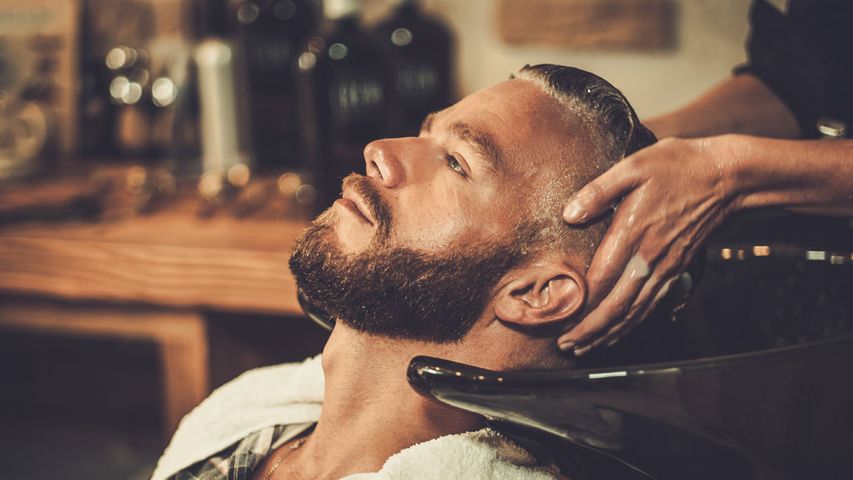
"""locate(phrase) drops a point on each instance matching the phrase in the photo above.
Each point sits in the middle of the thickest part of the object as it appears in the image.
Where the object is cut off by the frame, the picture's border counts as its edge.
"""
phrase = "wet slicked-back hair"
(614, 129)
(593, 97)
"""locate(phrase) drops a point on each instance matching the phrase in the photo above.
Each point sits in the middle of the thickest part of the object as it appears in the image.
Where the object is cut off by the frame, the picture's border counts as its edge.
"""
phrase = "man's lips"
(353, 202)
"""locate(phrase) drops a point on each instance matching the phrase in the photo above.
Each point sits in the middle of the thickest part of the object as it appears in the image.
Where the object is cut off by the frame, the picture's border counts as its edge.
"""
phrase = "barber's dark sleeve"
(805, 57)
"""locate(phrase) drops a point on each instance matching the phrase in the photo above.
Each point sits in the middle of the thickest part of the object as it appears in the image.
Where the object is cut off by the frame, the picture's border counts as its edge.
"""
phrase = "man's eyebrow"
(482, 141)
(426, 125)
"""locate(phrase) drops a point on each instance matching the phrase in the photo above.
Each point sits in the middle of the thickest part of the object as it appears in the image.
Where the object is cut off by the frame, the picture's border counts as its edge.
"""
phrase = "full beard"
(399, 293)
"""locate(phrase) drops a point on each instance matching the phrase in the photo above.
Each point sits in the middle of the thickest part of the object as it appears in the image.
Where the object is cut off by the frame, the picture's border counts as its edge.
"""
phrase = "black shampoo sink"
(753, 380)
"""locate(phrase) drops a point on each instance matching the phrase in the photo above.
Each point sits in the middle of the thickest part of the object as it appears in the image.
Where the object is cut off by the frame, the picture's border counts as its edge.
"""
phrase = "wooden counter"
(170, 258)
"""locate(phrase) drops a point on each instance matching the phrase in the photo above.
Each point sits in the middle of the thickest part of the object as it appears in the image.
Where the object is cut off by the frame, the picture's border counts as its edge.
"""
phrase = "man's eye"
(454, 165)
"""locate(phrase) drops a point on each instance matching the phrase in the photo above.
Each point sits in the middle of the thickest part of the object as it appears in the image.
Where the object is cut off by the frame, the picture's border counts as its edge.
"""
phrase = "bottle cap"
(335, 9)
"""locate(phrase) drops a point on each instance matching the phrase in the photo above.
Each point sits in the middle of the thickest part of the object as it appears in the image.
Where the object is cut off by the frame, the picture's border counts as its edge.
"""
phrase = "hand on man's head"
(655, 232)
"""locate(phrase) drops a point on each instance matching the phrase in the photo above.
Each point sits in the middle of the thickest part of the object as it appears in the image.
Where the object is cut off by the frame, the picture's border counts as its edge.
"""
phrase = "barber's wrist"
(662, 126)
(730, 159)
(757, 167)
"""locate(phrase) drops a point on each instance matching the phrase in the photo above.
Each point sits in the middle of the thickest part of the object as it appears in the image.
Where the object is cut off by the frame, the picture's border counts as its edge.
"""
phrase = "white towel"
(292, 394)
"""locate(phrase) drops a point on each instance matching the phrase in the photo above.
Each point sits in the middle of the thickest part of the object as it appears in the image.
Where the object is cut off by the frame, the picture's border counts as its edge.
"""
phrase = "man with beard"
(451, 246)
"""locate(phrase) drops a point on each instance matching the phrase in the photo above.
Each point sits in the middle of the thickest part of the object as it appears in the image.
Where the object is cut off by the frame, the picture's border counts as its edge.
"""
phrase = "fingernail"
(573, 212)
(580, 351)
(566, 346)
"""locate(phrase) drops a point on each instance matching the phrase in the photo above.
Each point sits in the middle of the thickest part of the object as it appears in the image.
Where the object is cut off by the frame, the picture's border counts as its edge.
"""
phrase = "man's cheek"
(431, 232)
(430, 222)
(454, 214)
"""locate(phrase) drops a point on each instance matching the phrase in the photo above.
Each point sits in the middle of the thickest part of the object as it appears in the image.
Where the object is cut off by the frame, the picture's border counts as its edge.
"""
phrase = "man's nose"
(383, 163)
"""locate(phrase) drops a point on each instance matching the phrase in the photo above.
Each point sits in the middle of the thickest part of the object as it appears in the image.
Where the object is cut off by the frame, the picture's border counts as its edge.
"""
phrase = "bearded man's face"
(398, 292)
(415, 249)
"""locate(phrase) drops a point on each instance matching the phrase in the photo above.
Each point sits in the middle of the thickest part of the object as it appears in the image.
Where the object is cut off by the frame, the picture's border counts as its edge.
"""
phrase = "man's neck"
(369, 410)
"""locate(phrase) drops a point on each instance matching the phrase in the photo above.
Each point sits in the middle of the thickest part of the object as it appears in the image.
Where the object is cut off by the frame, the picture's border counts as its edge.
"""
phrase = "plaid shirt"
(239, 461)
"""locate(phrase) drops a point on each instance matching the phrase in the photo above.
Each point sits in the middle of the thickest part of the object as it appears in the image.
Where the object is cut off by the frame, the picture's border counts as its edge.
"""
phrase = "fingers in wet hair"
(608, 264)
(614, 306)
(646, 302)
(599, 195)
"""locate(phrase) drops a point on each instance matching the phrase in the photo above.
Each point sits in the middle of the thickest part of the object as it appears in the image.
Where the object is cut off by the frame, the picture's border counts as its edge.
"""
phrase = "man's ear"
(540, 292)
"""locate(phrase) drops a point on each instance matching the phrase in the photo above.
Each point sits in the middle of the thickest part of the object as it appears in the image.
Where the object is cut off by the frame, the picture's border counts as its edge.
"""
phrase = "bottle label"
(417, 82)
(355, 97)
(267, 53)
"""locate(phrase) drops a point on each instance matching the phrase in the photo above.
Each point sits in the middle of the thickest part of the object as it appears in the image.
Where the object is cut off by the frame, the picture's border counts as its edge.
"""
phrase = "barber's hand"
(675, 193)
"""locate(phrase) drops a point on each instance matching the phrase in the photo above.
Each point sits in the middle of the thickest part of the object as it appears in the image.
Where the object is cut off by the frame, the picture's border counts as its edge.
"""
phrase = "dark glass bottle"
(270, 34)
(105, 127)
(343, 97)
(129, 91)
(420, 49)
(96, 113)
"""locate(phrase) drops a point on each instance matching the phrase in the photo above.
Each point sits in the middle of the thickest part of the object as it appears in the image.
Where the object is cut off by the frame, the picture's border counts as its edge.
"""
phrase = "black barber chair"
(753, 381)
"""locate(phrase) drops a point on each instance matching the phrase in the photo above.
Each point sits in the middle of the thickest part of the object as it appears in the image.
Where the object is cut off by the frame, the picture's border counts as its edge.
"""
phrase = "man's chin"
(350, 238)
(340, 234)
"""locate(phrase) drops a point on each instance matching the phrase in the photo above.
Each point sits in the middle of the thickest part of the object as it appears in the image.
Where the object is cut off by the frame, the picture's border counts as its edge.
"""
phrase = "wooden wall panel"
(589, 24)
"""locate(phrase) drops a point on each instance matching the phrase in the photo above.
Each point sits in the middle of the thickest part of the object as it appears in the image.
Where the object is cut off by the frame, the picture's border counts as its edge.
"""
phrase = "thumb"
(599, 195)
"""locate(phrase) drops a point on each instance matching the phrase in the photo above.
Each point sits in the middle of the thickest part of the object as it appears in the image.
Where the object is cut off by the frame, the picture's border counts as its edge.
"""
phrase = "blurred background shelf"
(81, 263)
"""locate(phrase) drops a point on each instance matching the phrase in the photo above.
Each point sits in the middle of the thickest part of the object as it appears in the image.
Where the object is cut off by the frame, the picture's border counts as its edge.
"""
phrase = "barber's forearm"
(740, 104)
(810, 176)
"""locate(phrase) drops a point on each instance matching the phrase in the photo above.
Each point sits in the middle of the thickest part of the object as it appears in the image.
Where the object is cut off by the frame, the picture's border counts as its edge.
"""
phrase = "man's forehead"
(513, 112)
(512, 106)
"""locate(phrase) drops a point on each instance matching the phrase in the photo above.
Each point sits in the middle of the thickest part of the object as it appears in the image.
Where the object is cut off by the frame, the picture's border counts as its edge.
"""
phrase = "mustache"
(379, 209)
